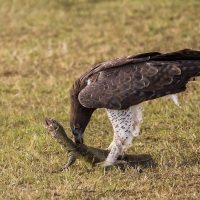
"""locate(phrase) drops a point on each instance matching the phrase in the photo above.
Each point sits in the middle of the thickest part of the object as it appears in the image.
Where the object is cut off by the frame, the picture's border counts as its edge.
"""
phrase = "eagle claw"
(104, 164)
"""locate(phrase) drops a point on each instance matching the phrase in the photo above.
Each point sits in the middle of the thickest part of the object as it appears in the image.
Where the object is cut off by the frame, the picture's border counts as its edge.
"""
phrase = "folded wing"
(119, 85)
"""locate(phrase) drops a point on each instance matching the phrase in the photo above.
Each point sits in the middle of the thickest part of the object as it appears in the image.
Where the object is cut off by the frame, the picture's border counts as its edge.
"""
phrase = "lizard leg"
(71, 160)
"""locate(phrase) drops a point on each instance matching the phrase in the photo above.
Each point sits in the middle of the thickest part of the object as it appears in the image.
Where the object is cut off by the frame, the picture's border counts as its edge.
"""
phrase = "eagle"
(119, 85)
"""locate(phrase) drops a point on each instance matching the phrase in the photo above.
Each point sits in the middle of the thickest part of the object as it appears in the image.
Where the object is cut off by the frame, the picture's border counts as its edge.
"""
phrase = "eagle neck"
(79, 114)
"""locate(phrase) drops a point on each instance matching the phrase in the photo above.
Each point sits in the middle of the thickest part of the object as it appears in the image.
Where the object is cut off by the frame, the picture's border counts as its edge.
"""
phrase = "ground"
(45, 46)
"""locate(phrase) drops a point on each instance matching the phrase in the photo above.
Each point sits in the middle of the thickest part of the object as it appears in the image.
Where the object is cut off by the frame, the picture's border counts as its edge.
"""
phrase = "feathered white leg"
(126, 126)
(111, 145)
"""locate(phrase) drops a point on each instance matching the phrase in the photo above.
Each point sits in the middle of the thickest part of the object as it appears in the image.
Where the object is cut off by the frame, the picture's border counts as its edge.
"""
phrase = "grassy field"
(44, 46)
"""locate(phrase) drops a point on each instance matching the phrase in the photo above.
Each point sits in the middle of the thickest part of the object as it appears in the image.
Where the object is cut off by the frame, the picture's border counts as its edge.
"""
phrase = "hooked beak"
(78, 136)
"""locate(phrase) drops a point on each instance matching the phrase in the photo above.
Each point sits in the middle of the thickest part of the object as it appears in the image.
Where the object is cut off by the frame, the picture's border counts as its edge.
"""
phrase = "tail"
(185, 54)
(189, 61)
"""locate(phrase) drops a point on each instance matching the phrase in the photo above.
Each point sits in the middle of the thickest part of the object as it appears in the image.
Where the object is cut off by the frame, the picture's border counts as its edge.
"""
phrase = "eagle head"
(79, 118)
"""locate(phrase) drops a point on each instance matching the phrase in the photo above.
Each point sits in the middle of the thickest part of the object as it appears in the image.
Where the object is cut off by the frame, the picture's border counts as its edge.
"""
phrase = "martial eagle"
(121, 84)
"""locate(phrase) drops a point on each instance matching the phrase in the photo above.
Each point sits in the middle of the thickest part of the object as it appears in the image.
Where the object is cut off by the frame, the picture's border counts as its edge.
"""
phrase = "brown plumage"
(123, 82)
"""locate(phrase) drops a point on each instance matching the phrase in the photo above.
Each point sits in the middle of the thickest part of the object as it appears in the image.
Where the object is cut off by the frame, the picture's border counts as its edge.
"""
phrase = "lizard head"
(52, 126)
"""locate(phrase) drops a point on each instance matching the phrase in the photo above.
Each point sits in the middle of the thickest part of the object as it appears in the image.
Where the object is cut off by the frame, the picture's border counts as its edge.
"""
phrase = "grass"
(45, 46)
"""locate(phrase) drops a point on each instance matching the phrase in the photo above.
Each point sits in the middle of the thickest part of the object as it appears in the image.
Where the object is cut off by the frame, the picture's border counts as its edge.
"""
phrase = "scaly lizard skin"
(74, 150)
(90, 154)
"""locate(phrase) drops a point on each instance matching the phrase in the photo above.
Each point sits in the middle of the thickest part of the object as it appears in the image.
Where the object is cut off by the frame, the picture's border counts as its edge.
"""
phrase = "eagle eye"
(77, 126)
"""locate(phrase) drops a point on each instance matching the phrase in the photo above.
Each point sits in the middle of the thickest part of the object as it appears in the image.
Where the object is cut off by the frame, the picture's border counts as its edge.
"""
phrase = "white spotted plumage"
(174, 98)
(126, 126)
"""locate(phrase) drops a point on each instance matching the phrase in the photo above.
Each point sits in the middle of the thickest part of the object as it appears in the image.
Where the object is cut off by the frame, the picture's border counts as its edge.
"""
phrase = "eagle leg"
(110, 146)
(123, 156)
(126, 126)
(104, 164)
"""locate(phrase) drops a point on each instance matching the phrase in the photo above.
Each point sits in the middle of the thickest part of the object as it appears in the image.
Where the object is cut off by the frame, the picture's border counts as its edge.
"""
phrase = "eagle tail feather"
(185, 54)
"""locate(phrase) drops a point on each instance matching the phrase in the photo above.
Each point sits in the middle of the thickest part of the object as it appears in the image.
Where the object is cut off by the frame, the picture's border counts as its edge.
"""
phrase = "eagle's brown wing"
(115, 62)
(131, 83)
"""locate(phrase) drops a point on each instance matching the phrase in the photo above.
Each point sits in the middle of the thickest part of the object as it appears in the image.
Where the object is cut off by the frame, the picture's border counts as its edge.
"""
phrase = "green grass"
(45, 45)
